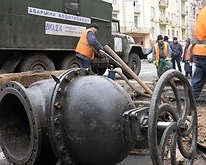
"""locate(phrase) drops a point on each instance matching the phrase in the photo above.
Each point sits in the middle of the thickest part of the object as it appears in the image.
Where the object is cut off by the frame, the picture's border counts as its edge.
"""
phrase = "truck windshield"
(71, 6)
(115, 26)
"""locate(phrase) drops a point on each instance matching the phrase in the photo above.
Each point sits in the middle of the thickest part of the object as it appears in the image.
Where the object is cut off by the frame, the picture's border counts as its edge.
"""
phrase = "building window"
(114, 1)
(194, 13)
(152, 32)
(136, 21)
(136, 6)
(152, 13)
(173, 33)
(169, 17)
(168, 32)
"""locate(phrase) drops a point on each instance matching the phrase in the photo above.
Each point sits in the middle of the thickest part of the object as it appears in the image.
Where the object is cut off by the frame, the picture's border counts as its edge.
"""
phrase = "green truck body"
(43, 34)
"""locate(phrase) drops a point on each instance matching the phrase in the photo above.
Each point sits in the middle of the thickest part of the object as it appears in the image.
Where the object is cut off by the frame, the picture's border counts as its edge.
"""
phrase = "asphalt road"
(148, 72)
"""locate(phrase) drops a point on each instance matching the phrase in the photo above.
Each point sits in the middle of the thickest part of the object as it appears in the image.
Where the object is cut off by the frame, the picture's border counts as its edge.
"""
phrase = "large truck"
(42, 35)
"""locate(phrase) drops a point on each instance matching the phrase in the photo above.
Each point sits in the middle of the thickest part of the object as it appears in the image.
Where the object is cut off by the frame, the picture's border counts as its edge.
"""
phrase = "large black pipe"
(77, 117)
(24, 122)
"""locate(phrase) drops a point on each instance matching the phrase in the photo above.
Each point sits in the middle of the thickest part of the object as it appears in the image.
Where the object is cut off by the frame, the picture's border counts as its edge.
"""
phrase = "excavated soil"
(27, 78)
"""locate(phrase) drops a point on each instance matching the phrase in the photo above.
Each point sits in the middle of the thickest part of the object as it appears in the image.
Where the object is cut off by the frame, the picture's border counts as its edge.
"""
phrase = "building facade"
(145, 20)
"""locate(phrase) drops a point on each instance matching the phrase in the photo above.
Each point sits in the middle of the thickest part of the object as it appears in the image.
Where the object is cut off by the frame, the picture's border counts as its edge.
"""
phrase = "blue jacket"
(93, 41)
(176, 49)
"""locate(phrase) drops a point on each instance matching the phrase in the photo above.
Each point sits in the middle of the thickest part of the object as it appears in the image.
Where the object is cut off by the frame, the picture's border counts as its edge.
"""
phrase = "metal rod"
(128, 82)
(162, 124)
(127, 69)
(106, 54)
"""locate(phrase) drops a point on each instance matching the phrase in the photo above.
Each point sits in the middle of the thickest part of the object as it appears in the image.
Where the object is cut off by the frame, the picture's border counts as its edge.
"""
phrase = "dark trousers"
(86, 62)
(176, 59)
(199, 77)
(188, 69)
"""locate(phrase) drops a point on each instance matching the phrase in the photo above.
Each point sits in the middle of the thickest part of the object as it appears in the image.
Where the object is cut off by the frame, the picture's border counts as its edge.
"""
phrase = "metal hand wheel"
(172, 123)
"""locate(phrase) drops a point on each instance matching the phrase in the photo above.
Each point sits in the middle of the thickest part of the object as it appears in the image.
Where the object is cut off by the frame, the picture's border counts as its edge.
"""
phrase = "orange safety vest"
(187, 54)
(157, 51)
(200, 34)
(83, 46)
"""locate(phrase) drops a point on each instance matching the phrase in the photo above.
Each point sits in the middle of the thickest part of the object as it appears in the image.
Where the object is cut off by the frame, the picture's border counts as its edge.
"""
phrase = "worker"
(87, 46)
(161, 56)
(166, 39)
(199, 53)
(176, 54)
(187, 59)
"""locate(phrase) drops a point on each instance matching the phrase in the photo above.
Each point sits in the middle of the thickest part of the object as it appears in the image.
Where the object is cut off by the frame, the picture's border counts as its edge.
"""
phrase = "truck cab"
(124, 45)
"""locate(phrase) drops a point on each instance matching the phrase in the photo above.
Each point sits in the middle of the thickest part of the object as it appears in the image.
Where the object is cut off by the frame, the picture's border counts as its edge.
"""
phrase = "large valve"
(84, 119)
(172, 124)
(75, 118)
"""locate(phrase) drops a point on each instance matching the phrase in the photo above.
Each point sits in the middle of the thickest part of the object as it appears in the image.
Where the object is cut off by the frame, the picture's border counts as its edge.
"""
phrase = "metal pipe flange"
(20, 129)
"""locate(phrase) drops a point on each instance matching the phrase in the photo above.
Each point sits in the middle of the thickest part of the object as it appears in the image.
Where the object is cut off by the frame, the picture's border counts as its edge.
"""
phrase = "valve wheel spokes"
(178, 130)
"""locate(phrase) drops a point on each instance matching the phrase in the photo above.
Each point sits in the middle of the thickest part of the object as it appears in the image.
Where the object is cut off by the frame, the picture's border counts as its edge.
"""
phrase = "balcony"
(135, 30)
(184, 12)
(173, 24)
(164, 21)
(142, 30)
(184, 26)
(115, 7)
(163, 3)
(137, 9)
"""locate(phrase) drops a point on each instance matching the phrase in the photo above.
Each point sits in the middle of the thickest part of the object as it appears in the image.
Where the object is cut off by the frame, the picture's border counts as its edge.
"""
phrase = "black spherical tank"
(76, 118)
(91, 127)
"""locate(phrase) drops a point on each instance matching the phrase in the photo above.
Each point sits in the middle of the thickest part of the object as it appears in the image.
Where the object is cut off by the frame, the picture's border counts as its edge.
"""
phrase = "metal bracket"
(133, 120)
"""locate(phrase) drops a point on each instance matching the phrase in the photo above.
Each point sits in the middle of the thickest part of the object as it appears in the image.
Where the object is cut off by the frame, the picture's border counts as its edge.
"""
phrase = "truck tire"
(37, 62)
(134, 63)
(70, 61)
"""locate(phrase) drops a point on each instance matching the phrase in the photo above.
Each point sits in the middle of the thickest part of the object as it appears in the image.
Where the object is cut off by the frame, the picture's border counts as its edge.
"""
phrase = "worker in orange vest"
(161, 56)
(87, 45)
(199, 53)
(187, 59)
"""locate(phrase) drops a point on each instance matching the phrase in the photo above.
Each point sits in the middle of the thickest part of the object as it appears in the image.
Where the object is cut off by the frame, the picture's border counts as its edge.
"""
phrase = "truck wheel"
(134, 64)
(37, 62)
(70, 61)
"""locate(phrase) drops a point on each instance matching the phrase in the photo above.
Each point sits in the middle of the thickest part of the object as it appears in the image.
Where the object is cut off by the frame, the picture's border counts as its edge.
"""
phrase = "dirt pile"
(27, 78)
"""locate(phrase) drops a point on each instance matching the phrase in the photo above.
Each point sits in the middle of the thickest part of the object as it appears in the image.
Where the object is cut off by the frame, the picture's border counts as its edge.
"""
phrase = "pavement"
(129, 160)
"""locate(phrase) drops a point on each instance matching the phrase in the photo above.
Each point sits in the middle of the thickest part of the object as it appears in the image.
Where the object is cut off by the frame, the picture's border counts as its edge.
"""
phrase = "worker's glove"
(167, 58)
(156, 62)
(99, 55)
